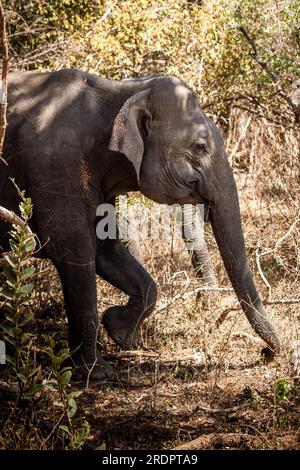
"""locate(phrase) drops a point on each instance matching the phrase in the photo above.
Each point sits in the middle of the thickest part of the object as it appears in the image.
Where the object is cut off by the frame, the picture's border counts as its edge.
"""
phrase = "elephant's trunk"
(227, 228)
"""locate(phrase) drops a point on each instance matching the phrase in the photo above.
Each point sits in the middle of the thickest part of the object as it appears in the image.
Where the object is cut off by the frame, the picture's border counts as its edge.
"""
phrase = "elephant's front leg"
(79, 288)
(117, 266)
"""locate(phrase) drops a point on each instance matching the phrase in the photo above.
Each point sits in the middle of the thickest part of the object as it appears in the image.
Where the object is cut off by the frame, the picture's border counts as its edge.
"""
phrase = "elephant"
(76, 141)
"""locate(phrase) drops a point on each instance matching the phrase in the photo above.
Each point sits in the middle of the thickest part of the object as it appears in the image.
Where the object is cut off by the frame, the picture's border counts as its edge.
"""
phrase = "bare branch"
(140, 354)
(216, 440)
(175, 298)
(265, 66)
(223, 410)
(12, 218)
(256, 55)
(3, 83)
(282, 302)
(259, 268)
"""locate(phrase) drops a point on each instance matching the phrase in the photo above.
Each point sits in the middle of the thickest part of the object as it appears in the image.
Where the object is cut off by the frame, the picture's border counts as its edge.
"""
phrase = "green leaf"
(7, 294)
(49, 354)
(72, 407)
(75, 394)
(56, 361)
(30, 245)
(33, 371)
(63, 353)
(26, 289)
(61, 356)
(51, 341)
(65, 428)
(11, 284)
(11, 260)
(26, 318)
(17, 331)
(64, 379)
(11, 360)
(13, 245)
(22, 377)
(8, 330)
(27, 272)
(59, 404)
(83, 432)
(37, 388)
(51, 386)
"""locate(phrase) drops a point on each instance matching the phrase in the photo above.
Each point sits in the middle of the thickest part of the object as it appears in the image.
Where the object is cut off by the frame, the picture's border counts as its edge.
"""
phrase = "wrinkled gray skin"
(75, 141)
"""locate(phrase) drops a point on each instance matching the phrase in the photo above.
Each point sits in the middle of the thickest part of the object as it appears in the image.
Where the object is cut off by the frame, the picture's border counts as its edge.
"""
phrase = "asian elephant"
(75, 141)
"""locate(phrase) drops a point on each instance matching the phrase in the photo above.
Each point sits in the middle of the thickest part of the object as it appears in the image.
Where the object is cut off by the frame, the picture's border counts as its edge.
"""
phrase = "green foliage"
(282, 389)
(40, 387)
(35, 24)
(16, 293)
(198, 41)
(75, 429)
(195, 42)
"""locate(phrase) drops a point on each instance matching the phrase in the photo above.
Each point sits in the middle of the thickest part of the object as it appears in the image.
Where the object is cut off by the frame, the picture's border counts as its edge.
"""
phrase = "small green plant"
(16, 294)
(282, 388)
(74, 428)
(38, 386)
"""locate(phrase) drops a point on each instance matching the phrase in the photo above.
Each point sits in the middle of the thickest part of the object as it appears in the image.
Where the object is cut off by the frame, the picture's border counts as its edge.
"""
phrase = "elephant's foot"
(100, 370)
(120, 327)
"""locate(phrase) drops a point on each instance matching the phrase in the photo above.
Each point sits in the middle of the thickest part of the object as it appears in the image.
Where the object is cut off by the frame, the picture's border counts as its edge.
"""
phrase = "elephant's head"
(179, 157)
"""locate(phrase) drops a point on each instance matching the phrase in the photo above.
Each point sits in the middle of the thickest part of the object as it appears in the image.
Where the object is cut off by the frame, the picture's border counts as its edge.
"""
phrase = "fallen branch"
(222, 410)
(196, 357)
(219, 441)
(282, 302)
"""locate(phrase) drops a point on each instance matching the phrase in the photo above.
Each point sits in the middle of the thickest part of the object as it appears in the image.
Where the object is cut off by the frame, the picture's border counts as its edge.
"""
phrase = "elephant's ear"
(126, 135)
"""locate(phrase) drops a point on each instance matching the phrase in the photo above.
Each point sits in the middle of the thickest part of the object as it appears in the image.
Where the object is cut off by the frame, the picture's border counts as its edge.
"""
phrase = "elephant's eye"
(199, 147)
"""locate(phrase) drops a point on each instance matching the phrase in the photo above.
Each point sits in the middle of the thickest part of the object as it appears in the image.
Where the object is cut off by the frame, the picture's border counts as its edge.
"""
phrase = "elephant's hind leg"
(117, 266)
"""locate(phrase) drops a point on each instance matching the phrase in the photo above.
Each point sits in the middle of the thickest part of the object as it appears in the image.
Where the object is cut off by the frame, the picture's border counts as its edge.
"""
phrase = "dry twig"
(196, 357)
(213, 440)
(3, 83)
(264, 65)
(223, 410)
